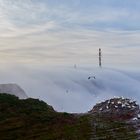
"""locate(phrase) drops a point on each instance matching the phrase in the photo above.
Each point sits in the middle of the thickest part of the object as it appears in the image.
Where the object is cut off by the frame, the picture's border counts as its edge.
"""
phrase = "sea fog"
(68, 87)
(55, 67)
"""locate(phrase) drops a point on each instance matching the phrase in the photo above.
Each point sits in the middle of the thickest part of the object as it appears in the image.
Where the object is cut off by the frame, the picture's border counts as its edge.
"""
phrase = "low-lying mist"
(70, 89)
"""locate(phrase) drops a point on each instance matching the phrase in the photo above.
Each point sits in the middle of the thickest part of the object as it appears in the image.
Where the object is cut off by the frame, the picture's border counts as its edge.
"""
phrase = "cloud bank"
(69, 89)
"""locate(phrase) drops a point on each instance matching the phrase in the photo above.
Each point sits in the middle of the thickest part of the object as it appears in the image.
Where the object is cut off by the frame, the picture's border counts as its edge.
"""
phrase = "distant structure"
(100, 58)
(75, 66)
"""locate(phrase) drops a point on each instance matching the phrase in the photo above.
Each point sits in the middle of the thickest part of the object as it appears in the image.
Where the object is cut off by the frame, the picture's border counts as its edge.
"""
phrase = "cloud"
(69, 47)
(22, 18)
(69, 89)
(19, 18)
(94, 15)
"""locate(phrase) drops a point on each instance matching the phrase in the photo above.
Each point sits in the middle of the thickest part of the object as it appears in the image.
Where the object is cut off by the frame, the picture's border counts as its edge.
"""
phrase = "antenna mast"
(100, 58)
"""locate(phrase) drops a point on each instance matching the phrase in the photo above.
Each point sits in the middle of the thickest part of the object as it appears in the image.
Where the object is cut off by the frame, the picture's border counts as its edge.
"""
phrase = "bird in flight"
(92, 77)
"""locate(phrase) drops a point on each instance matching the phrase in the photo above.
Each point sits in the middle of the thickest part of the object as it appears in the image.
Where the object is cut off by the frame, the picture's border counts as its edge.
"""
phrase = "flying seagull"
(92, 77)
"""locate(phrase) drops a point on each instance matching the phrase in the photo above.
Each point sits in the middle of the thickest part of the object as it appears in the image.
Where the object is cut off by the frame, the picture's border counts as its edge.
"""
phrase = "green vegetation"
(32, 119)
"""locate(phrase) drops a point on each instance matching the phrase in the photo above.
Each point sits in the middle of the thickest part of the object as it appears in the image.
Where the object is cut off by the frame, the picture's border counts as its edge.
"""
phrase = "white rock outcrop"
(13, 89)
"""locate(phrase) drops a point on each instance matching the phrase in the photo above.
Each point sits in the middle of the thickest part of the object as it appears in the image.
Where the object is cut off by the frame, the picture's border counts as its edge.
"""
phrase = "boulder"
(117, 108)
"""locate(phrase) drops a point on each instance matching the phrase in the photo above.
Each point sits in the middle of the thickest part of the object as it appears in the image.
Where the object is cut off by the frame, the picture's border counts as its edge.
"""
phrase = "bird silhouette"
(92, 77)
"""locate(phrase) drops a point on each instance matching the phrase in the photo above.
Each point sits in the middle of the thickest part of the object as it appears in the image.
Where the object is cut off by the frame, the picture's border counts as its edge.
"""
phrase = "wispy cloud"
(110, 14)
(67, 29)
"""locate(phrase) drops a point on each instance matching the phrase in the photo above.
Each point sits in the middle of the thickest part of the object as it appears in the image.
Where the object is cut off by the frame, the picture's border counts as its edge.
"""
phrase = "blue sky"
(60, 28)
(88, 14)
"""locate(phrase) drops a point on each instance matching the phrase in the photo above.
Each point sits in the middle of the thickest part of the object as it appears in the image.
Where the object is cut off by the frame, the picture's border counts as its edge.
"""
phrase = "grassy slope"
(34, 119)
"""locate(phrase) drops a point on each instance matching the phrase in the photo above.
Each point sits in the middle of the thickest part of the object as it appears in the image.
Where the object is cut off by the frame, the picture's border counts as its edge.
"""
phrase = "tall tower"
(100, 58)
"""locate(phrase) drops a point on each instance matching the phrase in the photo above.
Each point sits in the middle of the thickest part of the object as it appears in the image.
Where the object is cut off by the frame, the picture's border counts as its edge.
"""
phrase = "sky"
(60, 31)
(90, 14)
(50, 47)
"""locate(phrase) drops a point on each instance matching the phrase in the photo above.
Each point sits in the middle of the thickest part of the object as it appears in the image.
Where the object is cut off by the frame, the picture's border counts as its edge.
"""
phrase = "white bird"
(134, 119)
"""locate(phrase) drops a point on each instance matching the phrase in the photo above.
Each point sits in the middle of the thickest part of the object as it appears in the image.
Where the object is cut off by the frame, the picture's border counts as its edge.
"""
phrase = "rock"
(138, 116)
(134, 119)
(118, 108)
(13, 89)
